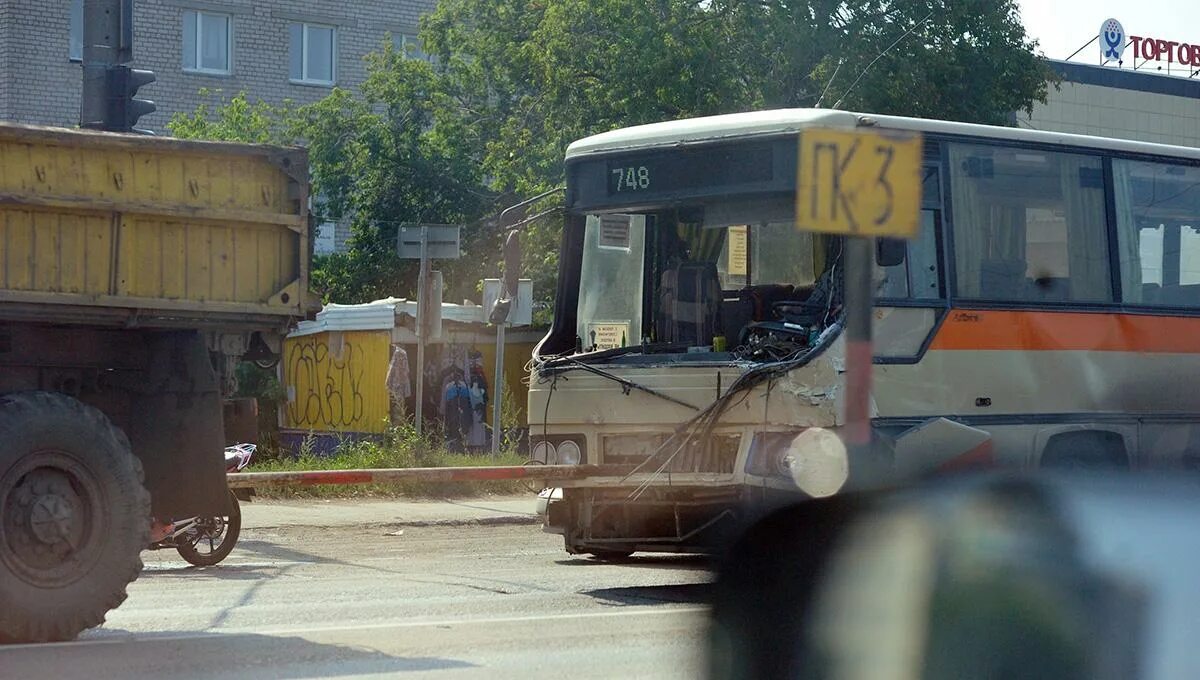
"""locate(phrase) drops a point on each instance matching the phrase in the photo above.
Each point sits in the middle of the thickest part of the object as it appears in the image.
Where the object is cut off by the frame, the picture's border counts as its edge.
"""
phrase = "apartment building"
(202, 51)
(272, 49)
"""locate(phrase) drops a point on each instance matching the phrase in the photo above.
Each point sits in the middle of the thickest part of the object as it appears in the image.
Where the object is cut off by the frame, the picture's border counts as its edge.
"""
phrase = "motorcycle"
(205, 541)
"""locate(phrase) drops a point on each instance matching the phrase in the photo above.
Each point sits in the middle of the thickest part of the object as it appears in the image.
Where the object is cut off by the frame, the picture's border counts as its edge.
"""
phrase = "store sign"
(1170, 51)
(1114, 40)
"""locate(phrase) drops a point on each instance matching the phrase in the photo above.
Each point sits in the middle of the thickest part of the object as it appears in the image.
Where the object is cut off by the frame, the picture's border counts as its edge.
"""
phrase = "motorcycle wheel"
(214, 538)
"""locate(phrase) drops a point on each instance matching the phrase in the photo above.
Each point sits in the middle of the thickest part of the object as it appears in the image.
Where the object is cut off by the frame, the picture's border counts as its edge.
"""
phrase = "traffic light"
(124, 108)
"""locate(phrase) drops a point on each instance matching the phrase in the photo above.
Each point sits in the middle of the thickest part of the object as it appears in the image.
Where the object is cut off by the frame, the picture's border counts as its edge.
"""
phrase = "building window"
(206, 42)
(325, 238)
(313, 54)
(409, 44)
(1158, 232)
(1029, 225)
(76, 31)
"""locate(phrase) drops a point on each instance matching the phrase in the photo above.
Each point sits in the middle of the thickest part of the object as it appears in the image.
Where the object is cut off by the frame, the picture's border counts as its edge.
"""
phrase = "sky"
(1062, 26)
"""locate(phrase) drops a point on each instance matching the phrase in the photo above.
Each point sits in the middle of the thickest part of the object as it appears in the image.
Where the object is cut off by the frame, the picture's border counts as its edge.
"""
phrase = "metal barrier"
(242, 480)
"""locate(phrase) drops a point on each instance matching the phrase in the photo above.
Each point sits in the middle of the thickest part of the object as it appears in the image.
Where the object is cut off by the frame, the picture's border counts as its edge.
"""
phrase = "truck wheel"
(74, 517)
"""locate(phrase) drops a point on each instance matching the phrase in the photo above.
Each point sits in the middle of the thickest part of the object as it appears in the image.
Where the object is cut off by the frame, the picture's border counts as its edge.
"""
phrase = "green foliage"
(967, 60)
(401, 447)
(237, 120)
(257, 382)
(514, 82)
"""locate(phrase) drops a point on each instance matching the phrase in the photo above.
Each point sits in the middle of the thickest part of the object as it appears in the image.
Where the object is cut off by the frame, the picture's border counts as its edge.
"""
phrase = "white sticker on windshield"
(614, 232)
(608, 335)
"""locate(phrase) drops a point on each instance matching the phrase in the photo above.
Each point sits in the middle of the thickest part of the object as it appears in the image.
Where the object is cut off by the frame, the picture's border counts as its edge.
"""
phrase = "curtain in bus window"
(970, 216)
(1087, 233)
(989, 232)
(1129, 237)
(1008, 233)
(704, 245)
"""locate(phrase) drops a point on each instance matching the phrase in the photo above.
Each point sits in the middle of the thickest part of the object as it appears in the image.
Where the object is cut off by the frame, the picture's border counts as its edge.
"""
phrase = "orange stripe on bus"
(1078, 331)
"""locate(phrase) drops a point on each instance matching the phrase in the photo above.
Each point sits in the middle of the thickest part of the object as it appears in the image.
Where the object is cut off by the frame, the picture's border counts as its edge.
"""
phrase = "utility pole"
(427, 242)
(423, 309)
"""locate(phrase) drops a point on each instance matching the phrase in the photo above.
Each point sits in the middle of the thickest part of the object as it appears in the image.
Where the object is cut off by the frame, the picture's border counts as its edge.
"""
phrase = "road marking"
(651, 610)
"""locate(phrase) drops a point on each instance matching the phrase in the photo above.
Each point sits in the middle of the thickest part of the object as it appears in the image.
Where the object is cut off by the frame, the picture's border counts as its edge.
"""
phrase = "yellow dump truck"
(135, 273)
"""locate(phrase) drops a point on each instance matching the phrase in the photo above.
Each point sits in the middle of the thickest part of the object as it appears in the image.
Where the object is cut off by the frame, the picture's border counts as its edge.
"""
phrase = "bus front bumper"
(611, 519)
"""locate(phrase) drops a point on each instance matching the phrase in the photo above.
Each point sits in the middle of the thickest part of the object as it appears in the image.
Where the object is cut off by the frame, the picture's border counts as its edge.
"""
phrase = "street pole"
(859, 312)
(498, 390)
(422, 323)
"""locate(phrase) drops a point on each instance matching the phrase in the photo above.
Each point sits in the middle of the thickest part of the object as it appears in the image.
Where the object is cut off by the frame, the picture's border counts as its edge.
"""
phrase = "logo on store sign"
(1112, 40)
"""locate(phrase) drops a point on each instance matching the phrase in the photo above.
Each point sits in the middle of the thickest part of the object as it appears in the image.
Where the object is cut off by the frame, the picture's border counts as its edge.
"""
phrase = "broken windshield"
(691, 278)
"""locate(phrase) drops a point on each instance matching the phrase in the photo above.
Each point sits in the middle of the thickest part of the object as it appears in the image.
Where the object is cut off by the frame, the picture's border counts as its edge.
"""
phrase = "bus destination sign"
(673, 171)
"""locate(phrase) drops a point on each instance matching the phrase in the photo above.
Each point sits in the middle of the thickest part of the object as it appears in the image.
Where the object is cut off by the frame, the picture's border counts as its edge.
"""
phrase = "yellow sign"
(738, 243)
(859, 183)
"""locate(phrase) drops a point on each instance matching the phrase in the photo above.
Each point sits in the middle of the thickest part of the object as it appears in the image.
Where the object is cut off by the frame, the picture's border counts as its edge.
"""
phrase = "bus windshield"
(693, 277)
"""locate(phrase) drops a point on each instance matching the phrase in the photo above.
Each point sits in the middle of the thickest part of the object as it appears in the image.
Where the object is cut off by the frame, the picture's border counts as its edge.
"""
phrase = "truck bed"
(116, 229)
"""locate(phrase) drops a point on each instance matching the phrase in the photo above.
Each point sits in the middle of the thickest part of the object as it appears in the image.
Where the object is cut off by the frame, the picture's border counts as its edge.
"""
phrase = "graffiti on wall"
(332, 381)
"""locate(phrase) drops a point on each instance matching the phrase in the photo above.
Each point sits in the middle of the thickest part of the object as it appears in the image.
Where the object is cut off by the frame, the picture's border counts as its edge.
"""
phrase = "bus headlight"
(569, 453)
(544, 452)
(559, 449)
(815, 460)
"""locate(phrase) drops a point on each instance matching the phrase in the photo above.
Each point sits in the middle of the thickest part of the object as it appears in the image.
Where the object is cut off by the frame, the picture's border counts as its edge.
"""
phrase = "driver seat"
(690, 313)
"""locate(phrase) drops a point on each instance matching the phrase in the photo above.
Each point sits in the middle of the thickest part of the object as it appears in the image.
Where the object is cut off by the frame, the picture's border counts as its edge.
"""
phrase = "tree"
(531, 77)
(515, 81)
(384, 157)
(967, 60)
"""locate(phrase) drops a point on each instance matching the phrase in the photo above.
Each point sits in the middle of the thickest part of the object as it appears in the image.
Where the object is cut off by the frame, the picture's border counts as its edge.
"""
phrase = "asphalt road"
(436, 601)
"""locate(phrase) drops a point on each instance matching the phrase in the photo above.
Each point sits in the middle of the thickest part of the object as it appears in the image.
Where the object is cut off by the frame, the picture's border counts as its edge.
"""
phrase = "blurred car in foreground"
(992, 576)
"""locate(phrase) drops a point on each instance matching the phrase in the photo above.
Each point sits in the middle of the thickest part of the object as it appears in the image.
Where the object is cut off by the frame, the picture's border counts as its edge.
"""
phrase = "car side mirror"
(889, 252)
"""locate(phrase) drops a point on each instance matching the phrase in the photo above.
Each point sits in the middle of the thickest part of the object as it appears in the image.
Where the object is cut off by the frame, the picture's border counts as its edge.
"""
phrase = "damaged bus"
(1046, 315)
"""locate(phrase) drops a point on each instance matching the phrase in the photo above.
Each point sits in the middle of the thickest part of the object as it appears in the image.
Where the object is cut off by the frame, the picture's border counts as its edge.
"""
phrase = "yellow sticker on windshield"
(738, 246)
(859, 183)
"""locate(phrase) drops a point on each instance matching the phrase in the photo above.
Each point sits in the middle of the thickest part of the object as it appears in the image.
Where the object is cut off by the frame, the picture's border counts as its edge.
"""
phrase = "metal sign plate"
(859, 182)
(443, 242)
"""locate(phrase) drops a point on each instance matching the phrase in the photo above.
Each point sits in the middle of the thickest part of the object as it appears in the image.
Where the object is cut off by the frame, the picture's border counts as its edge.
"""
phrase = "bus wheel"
(1086, 450)
(74, 517)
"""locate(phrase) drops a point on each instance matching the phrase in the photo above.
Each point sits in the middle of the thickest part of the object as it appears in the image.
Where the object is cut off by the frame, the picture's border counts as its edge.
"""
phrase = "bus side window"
(1158, 212)
(1029, 225)
(917, 277)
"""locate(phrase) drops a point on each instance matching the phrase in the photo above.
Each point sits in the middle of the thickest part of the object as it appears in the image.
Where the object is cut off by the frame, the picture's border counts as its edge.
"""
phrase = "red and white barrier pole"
(241, 480)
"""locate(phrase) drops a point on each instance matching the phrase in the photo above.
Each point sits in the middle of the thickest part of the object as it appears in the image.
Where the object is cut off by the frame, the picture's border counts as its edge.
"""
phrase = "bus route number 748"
(859, 183)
